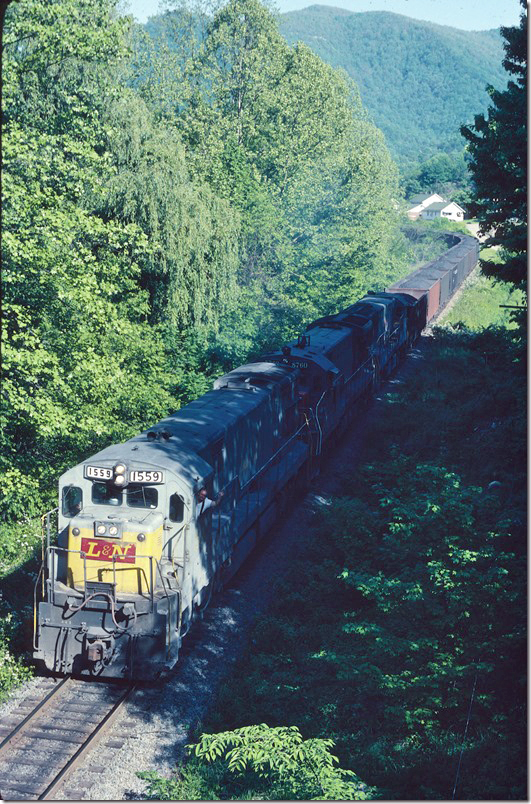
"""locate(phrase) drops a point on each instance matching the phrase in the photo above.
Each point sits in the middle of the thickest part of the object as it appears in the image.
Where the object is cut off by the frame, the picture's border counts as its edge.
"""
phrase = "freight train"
(138, 555)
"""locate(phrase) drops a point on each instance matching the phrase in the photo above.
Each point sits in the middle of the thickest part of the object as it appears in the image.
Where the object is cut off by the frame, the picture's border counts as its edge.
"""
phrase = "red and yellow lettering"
(90, 548)
(121, 551)
(99, 550)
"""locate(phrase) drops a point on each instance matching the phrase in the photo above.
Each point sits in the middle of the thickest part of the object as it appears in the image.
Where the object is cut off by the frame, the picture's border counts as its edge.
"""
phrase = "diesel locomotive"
(135, 559)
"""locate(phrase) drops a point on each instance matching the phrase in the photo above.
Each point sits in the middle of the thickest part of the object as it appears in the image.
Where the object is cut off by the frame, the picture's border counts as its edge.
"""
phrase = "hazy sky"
(471, 15)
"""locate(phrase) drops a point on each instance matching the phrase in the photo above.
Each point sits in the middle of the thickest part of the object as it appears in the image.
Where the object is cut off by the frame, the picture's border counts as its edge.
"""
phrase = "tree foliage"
(443, 173)
(284, 138)
(190, 268)
(79, 365)
(497, 144)
(259, 761)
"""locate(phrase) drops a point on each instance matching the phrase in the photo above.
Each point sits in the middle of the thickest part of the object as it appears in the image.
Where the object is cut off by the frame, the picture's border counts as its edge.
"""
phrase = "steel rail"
(65, 770)
(24, 725)
(91, 740)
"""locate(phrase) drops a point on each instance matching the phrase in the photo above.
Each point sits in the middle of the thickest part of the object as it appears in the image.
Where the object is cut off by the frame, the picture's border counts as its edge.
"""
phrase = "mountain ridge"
(347, 12)
(419, 80)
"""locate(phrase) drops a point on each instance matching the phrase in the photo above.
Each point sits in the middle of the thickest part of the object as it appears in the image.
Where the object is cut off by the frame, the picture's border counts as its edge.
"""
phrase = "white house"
(420, 202)
(443, 209)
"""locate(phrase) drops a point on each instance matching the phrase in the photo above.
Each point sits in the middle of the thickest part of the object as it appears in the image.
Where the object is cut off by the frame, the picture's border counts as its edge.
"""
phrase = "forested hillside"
(418, 80)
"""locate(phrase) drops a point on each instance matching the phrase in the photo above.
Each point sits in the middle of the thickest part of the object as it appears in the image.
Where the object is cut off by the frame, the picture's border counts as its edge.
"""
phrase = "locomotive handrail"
(53, 549)
(45, 525)
(168, 599)
(358, 369)
(35, 604)
(46, 517)
(396, 329)
(173, 536)
(320, 441)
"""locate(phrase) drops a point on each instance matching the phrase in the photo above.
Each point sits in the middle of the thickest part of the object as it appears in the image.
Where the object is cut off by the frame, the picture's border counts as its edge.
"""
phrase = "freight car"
(135, 559)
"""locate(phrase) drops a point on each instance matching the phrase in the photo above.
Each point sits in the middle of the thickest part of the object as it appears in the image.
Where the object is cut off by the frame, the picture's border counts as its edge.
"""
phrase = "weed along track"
(44, 746)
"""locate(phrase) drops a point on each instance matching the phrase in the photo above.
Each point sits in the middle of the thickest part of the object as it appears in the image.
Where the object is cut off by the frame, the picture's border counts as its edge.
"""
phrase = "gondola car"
(134, 560)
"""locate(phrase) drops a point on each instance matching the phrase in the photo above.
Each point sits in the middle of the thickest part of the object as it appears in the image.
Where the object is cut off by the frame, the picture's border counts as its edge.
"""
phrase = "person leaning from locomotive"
(204, 502)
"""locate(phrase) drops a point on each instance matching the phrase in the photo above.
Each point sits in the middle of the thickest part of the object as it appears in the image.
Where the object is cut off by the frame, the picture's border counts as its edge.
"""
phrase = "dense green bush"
(13, 669)
(259, 762)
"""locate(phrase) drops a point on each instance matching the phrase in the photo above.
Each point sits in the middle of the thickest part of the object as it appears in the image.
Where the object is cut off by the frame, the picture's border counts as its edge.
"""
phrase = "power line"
(464, 735)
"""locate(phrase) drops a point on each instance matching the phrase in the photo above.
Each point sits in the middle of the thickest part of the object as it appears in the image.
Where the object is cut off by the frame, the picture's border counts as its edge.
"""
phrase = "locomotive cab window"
(106, 494)
(71, 500)
(176, 508)
(140, 496)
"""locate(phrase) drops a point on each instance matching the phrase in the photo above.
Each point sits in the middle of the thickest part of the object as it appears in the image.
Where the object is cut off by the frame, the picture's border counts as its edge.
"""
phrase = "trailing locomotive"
(136, 559)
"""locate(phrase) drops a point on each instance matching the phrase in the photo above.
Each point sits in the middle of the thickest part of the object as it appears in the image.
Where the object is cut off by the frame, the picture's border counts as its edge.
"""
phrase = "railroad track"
(38, 753)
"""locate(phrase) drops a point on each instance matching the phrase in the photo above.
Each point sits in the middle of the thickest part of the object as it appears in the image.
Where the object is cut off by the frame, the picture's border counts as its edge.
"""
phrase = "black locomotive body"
(135, 558)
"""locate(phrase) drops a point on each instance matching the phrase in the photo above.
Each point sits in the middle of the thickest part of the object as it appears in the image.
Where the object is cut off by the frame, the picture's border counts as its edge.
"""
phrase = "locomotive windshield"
(106, 494)
(137, 495)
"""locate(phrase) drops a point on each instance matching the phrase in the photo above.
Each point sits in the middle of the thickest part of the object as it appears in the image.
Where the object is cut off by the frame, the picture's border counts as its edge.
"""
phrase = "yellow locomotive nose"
(122, 555)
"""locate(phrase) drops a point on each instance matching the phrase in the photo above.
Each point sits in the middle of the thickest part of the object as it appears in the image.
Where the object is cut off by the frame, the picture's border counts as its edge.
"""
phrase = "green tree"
(190, 268)
(497, 144)
(443, 173)
(80, 365)
(285, 139)
(259, 761)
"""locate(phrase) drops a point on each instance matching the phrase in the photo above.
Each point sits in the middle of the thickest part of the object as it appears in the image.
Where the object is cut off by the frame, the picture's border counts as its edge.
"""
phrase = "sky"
(470, 15)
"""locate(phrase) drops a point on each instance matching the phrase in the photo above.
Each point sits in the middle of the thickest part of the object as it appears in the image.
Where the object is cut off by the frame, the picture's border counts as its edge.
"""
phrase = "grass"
(480, 302)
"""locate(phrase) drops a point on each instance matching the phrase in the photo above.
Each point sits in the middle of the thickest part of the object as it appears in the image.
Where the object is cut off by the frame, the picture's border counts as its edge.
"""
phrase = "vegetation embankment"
(485, 302)
(404, 620)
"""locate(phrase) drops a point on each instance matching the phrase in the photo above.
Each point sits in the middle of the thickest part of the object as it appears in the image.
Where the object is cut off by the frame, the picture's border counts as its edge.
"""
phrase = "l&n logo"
(99, 550)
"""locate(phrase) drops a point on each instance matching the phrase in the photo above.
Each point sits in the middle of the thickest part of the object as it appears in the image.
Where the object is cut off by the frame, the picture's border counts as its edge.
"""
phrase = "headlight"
(100, 530)
(119, 474)
(113, 530)
(141, 537)
(75, 531)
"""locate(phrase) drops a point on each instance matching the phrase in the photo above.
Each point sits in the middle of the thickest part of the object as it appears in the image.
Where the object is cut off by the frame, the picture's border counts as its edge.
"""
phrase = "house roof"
(419, 199)
(438, 206)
